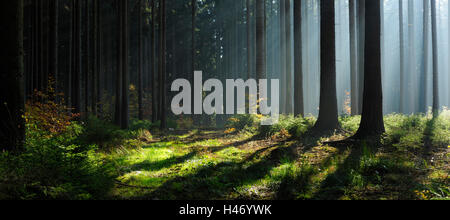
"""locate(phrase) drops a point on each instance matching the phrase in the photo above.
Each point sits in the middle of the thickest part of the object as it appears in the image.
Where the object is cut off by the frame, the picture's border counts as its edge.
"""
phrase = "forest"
(101, 100)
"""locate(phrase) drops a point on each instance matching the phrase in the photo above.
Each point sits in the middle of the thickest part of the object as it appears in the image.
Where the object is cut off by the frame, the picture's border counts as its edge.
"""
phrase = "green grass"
(259, 163)
(246, 165)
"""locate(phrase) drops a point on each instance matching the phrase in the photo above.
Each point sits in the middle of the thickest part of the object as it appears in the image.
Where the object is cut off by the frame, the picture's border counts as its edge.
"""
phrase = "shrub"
(58, 166)
(296, 126)
(102, 133)
(350, 123)
(441, 130)
(240, 122)
(141, 125)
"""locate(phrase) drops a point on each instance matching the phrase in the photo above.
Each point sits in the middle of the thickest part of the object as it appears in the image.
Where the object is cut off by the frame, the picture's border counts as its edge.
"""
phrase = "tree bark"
(412, 59)
(260, 40)
(299, 109)
(353, 59)
(360, 56)
(283, 57)
(435, 59)
(372, 112)
(328, 112)
(95, 45)
(289, 98)
(118, 104)
(425, 65)
(125, 75)
(249, 52)
(162, 64)
(87, 58)
(154, 65)
(76, 59)
(140, 64)
(402, 59)
(54, 16)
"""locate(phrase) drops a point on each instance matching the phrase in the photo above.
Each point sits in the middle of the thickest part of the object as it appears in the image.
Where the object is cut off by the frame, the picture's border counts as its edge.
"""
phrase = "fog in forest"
(221, 50)
(417, 83)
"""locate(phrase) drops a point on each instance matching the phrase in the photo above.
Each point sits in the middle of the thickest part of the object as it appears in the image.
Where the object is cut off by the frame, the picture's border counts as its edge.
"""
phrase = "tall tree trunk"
(76, 59)
(412, 59)
(289, 98)
(140, 65)
(95, 60)
(162, 63)
(425, 66)
(360, 56)
(435, 59)
(249, 52)
(87, 58)
(118, 104)
(54, 42)
(40, 23)
(125, 75)
(260, 40)
(372, 112)
(328, 112)
(154, 69)
(299, 108)
(12, 99)
(193, 53)
(353, 59)
(283, 57)
(101, 48)
(402, 59)
(68, 78)
(448, 59)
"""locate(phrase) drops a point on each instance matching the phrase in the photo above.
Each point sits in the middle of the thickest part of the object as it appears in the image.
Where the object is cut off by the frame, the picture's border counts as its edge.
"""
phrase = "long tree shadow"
(161, 164)
(220, 180)
(427, 134)
(333, 187)
(299, 186)
(166, 163)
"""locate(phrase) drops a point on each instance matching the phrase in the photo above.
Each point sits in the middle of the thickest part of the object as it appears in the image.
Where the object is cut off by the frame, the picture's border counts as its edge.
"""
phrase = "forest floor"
(210, 164)
(93, 159)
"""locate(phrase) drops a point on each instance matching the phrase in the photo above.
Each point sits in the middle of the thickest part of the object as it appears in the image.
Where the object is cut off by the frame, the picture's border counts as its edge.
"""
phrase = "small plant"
(102, 133)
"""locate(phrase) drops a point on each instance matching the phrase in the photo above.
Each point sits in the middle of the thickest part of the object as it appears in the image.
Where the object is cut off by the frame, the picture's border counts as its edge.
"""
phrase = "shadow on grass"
(333, 187)
(219, 181)
(161, 164)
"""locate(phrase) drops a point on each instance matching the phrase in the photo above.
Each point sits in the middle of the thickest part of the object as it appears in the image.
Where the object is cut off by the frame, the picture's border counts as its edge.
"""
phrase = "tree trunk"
(328, 112)
(402, 59)
(118, 104)
(435, 59)
(412, 59)
(154, 69)
(12, 99)
(87, 58)
(448, 59)
(249, 52)
(283, 57)
(54, 42)
(299, 109)
(289, 98)
(360, 56)
(425, 66)
(76, 59)
(125, 75)
(140, 65)
(260, 40)
(162, 63)
(372, 112)
(353, 59)
(95, 60)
